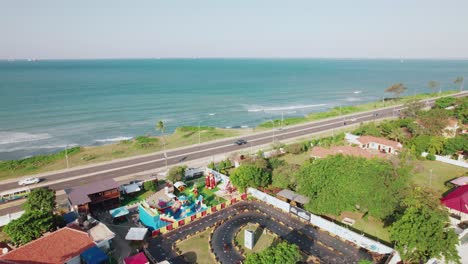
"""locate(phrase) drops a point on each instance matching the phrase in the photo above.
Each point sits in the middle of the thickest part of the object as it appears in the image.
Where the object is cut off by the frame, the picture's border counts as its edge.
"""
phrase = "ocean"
(47, 105)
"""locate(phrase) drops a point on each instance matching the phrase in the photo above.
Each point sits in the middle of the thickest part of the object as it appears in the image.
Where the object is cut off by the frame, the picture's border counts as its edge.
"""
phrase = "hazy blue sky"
(236, 28)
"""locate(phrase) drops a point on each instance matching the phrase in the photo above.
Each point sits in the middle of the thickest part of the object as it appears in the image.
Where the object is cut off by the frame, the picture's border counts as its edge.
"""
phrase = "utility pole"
(282, 119)
(66, 155)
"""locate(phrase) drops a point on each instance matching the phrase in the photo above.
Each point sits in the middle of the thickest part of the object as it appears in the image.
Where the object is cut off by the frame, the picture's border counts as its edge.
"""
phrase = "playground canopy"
(139, 258)
(94, 255)
(136, 233)
(118, 212)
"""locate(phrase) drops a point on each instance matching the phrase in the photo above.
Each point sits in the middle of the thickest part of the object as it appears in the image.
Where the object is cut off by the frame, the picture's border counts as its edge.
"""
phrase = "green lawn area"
(196, 249)
(131, 199)
(441, 173)
(209, 197)
(298, 159)
(262, 240)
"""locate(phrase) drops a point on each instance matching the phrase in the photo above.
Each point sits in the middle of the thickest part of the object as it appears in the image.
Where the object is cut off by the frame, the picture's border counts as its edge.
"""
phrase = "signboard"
(249, 239)
(299, 212)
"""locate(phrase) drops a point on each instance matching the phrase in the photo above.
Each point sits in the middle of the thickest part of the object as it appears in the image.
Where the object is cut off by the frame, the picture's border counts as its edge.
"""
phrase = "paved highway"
(310, 240)
(139, 164)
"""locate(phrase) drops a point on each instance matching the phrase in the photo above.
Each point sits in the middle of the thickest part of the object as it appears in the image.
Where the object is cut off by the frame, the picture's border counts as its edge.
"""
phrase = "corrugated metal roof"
(79, 195)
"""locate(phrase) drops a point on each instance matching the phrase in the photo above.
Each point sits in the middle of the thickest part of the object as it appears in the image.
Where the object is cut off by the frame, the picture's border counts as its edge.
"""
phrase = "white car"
(29, 181)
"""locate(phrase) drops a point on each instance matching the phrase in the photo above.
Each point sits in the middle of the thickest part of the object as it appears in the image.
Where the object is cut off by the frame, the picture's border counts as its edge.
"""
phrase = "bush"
(445, 102)
(150, 186)
(145, 142)
(176, 173)
(430, 157)
(296, 148)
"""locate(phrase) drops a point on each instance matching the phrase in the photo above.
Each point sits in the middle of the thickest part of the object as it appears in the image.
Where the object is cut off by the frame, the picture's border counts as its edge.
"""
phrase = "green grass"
(80, 156)
(131, 199)
(441, 173)
(196, 249)
(298, 159)
(344, 110)
(261, 241)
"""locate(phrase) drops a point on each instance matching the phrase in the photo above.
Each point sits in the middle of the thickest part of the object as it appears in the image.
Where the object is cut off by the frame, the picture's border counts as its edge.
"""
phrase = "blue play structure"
(155, 216)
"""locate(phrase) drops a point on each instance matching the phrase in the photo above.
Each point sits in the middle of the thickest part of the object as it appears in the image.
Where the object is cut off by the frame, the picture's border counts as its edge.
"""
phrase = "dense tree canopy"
(421, 232)
(345, 183)
(42, 199)
(445, 102)
(284, 176)
(282, 253)
(434, 121)
(31, 225)
(176, 173)
(461, 110)
(249, 176)
(458, 143)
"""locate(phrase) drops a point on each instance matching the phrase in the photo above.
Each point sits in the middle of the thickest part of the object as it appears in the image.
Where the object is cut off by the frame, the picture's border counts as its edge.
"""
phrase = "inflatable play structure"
(210, 181)
(163, 213)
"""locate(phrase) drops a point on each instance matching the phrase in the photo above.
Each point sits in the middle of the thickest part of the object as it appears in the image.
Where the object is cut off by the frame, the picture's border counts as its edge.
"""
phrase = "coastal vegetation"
(184, 136)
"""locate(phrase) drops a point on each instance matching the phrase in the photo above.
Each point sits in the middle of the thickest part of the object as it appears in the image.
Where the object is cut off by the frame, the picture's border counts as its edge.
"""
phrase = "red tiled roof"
(457, 200)
(345, 150)
(382, 141)
(57, 247)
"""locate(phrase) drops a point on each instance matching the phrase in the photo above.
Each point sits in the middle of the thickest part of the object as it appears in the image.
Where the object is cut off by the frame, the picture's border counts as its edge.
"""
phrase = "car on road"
(137, 182)
(352, 119)
(29, 181)
(240, 142)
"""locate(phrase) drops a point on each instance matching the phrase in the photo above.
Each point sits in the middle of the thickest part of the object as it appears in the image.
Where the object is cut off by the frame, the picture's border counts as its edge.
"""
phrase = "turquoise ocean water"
(47, 105)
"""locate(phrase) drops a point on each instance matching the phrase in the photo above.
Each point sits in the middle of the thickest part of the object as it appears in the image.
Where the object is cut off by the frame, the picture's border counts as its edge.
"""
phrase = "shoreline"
(182, 137)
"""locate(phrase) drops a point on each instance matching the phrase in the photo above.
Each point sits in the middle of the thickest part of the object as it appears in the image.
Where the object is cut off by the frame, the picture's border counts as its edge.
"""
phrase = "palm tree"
(459, 81)
(161, 126)
(433, 86)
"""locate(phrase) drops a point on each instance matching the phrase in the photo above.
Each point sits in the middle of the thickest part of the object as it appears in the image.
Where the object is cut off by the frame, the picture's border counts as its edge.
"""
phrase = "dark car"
(240, 142)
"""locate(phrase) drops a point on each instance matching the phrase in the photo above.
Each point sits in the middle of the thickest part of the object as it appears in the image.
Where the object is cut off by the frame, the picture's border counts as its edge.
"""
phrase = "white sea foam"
(284, 108)
(212, 114)
(353, 99)
(357, 92)
(113, 139)
(36, 147)
(17, 137)
(244, 126)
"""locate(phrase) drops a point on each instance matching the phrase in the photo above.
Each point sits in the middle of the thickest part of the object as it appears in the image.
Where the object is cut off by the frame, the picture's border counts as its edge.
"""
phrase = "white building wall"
(74, 260)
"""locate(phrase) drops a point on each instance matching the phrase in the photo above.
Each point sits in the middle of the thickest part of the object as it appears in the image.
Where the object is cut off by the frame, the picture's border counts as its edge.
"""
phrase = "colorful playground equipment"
(155, 216)
(210, 181)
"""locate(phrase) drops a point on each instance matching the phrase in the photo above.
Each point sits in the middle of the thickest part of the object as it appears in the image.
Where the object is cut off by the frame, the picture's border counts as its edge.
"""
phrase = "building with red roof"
(62, 246)
(457, 202)
(381, 144)
(319, 152)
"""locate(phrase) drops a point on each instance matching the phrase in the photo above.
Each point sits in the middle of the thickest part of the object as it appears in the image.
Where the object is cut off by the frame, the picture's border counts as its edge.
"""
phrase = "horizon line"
(32, 59)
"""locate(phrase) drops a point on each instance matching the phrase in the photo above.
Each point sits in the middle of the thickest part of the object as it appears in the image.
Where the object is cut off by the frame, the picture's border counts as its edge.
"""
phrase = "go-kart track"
(227, 223)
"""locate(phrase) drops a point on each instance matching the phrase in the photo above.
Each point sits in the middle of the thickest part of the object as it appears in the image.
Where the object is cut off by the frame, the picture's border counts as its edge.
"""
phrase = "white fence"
(443, 159)
(326, 225)
(5, 219)
(269, 199)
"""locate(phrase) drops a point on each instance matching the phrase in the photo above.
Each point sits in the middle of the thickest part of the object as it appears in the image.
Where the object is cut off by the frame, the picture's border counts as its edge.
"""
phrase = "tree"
(150, 186)
(369, 129)
(433, 86)
(396, 89)
(461, 110)
(282, 253)
(422, 231)
(30, 226)
(434, 122)
(458, 143)
(412, 109)
(345, 183)
(284, 176)
(397, 134)
(459, 81)
(445, 102)
(41, 199)
(249, 176)
(161, 126)
(176, 173)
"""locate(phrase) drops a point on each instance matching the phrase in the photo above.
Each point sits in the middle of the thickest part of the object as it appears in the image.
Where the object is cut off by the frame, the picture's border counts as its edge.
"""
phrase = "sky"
(88, 29)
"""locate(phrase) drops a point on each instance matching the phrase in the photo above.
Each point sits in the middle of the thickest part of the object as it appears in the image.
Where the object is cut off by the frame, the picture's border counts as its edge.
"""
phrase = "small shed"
(139, 258)
(136, 234)
(94, 255)
(292, 197)
(180, 185)
(131, 188)
(460, 181)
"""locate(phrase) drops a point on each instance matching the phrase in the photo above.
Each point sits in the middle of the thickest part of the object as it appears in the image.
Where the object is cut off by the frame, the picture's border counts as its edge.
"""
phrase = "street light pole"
(66, 155)
(199, 138)
(430, 178)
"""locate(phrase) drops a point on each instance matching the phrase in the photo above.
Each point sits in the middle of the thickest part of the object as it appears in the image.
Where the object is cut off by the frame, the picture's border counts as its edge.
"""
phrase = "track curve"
(228, 221)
